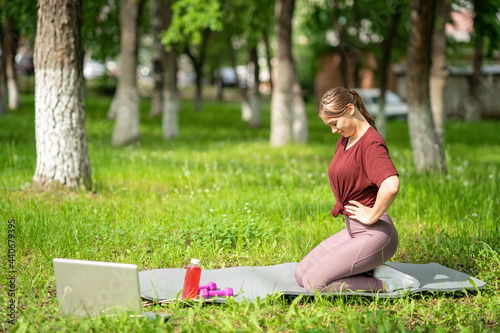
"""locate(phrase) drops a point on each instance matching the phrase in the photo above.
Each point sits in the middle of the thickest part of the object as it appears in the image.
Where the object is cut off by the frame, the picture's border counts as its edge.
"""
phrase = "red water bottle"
(192, 279)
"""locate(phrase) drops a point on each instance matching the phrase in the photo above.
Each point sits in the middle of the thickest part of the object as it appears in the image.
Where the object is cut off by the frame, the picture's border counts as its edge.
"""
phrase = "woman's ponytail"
(362, 108)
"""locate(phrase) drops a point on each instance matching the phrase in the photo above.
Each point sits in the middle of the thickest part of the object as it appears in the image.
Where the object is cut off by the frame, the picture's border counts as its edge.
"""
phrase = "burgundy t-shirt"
(357, 173)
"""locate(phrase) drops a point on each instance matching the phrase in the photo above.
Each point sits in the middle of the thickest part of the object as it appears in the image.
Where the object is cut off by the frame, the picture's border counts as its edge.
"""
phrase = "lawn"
(221, 194)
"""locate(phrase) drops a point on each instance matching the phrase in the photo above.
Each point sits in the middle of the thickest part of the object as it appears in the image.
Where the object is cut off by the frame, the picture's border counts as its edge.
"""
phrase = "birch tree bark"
(125, 106)
(287, 120)
(60, 133)
(427, 150)
(439, 71)
(171, 100)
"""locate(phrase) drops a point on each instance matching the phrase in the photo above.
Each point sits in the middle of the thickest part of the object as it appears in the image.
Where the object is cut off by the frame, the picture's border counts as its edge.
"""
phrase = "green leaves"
(486, 23)
(190, 18)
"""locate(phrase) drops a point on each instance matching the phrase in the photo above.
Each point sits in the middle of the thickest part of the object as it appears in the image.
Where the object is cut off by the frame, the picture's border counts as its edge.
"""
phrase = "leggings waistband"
(383, 225)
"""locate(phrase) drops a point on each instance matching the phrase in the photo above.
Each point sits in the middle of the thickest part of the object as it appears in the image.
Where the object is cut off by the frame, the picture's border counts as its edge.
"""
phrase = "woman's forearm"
(387, 192)
(386, 195)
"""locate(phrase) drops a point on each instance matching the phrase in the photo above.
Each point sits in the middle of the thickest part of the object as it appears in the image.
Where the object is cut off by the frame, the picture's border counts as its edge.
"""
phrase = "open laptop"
(91, 288)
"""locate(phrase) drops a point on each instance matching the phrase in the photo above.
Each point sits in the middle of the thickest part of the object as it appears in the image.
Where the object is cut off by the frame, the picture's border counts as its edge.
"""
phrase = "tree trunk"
(439, 71)
(256, 113)
(357, 67)
(3, 108)
(384, 69)
(3, 82)
(268, 59)
(282, 98)
(219, 85)
(246, 108)
(60, 133)
(198, 98)
(3, 87)
(9, 47)
(126, 110)
(299, 125)
(198, 63)
(156, 58)
(473, 105)
(427, 150)
(171, 100)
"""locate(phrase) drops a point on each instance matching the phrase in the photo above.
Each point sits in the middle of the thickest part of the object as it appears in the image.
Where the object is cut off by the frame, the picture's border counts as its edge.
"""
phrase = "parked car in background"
(394, 106)
(228, 76)
(93, 69)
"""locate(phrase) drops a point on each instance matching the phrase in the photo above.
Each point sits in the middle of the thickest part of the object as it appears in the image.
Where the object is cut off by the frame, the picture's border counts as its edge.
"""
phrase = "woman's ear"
(351, 109)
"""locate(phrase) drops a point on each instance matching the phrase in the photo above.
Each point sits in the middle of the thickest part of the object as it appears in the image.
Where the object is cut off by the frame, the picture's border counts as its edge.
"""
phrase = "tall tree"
(193, 21)
(439, 67)
(170, 94)
(246, 109)
(265, 39)
(486, 32)
(3, 108)
(288, 119)
(10, 37)
(384, 63)
(101, 29)
(255, 119)
(60, 133)
(360, 29)
(155, 14)
(245, 25)
(22, 15)
(254, 21)
(125, 105)
(197, 55)
(427, 150)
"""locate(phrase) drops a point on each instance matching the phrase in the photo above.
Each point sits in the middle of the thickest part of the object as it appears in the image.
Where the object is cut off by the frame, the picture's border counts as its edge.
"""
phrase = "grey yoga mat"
(260, 281)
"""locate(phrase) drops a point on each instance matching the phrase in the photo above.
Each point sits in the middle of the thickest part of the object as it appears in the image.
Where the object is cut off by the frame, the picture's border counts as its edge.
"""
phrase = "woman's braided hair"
(337, 99)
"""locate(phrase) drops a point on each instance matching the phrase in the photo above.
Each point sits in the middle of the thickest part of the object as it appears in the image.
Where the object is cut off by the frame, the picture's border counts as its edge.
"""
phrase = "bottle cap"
(195, 261)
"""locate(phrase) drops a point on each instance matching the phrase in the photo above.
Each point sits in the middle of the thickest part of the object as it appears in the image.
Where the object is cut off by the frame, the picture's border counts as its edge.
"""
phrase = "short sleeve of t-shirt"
(379, 165)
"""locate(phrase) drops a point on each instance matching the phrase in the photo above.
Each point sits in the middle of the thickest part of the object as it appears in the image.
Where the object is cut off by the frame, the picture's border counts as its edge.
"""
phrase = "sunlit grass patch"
(220, 193)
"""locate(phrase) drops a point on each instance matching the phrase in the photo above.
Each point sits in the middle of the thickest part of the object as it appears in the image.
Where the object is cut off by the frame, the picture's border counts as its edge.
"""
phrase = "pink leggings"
(338, 262)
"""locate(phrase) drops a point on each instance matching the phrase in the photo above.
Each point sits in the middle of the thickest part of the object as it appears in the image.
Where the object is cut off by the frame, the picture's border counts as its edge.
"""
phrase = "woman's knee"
(312, 283)
(305, 278)
(299, 273)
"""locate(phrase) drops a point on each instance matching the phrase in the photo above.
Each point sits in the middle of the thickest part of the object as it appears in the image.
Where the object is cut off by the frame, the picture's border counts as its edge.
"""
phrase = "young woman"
(365, 183)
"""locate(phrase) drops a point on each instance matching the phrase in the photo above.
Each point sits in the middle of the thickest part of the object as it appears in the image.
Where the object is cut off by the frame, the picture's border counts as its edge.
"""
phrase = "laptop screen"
(88, 288)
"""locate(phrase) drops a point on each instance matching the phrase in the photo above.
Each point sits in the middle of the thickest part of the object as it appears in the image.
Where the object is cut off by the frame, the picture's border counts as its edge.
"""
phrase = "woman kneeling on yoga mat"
(365, 184)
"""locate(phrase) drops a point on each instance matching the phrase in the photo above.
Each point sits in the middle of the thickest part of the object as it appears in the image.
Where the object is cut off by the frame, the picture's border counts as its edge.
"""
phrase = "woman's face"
(343, 125)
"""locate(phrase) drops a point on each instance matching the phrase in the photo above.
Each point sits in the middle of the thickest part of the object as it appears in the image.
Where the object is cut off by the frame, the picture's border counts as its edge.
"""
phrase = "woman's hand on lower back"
(360, 212)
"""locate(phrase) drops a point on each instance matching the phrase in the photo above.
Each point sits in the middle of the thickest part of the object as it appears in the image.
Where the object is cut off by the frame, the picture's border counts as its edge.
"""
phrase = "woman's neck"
(360, 130)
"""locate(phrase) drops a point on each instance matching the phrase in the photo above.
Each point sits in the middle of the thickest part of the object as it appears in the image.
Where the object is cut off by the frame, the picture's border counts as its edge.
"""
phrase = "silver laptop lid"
(88, 288)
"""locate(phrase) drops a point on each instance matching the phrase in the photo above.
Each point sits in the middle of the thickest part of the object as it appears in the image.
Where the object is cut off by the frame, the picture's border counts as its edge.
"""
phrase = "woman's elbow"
(392, 184)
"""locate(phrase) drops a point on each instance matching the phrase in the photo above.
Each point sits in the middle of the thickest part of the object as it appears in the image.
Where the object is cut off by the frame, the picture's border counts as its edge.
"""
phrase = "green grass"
(152, 203)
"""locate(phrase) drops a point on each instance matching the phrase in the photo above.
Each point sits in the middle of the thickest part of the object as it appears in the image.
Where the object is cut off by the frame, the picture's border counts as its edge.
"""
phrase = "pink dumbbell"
(219, 293)
(210, 286)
